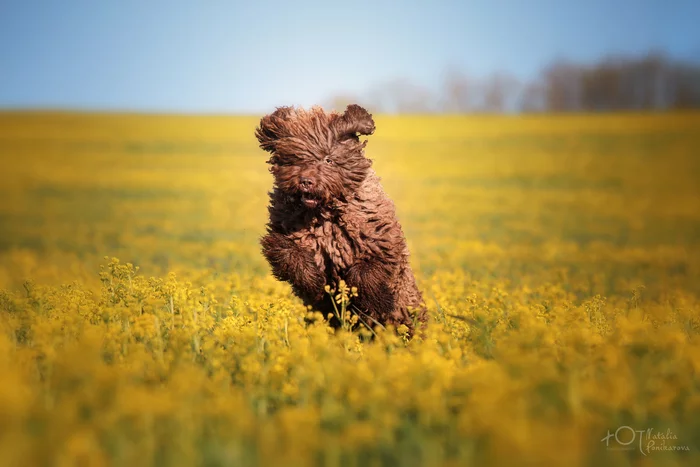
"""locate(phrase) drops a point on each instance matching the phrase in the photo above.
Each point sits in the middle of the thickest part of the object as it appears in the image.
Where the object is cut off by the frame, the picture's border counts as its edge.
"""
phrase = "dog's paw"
(372, 282)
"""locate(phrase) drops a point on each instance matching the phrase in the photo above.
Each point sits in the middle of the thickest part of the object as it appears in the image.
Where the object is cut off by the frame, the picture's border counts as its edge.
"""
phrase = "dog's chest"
(333, 246)
(335, 243)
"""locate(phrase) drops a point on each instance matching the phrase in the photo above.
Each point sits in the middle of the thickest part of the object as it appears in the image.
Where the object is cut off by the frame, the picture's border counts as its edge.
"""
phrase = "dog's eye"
(328, 160)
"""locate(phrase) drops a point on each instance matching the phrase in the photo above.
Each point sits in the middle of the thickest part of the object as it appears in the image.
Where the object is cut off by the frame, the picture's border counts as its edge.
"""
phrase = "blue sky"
(249, 57)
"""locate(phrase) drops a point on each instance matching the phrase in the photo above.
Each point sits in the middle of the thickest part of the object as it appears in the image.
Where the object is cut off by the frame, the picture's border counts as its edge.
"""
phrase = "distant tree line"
(651, 82)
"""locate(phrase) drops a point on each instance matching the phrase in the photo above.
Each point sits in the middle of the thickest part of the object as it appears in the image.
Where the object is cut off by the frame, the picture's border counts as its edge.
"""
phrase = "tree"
(458, 92)
(533, 98)
(562, 86)
(500, 93)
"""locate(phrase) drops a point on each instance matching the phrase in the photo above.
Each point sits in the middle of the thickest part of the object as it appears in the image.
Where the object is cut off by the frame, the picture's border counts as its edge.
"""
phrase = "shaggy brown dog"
(330, 218)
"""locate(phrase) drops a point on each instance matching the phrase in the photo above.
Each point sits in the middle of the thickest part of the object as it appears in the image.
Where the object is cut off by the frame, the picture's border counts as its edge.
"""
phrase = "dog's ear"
(354, 120)
(273, 127)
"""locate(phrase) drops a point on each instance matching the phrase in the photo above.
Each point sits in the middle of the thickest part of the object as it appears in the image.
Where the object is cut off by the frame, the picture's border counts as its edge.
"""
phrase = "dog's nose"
(306, 182)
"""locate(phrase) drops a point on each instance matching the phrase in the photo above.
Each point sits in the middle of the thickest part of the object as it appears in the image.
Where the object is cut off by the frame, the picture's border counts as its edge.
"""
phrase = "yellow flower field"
(559, 257)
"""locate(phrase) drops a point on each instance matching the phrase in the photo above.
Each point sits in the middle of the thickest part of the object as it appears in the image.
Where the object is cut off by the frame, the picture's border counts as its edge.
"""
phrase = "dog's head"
(317, 157)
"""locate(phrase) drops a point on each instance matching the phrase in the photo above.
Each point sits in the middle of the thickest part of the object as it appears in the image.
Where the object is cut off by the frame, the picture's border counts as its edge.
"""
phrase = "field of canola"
(559, 257)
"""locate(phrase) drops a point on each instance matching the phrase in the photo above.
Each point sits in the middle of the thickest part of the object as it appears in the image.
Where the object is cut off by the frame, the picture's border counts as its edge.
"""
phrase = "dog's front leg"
(291, 263)
(372, 279)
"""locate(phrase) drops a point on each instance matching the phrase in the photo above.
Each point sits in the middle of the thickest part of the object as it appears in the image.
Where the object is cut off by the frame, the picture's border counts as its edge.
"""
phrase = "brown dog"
(330, 219)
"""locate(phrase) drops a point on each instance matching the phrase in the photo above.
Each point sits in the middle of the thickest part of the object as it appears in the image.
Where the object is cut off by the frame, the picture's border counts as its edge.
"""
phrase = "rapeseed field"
(559, 257)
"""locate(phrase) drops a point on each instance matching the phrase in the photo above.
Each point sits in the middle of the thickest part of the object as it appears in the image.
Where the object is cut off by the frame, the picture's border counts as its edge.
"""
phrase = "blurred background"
(394, 57)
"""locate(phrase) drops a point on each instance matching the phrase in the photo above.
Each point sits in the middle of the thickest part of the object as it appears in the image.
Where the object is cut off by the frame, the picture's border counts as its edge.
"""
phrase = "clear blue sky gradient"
(249, 57)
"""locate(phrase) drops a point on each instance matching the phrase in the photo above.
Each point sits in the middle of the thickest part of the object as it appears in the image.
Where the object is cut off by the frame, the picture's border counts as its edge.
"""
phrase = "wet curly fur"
(330, 218)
